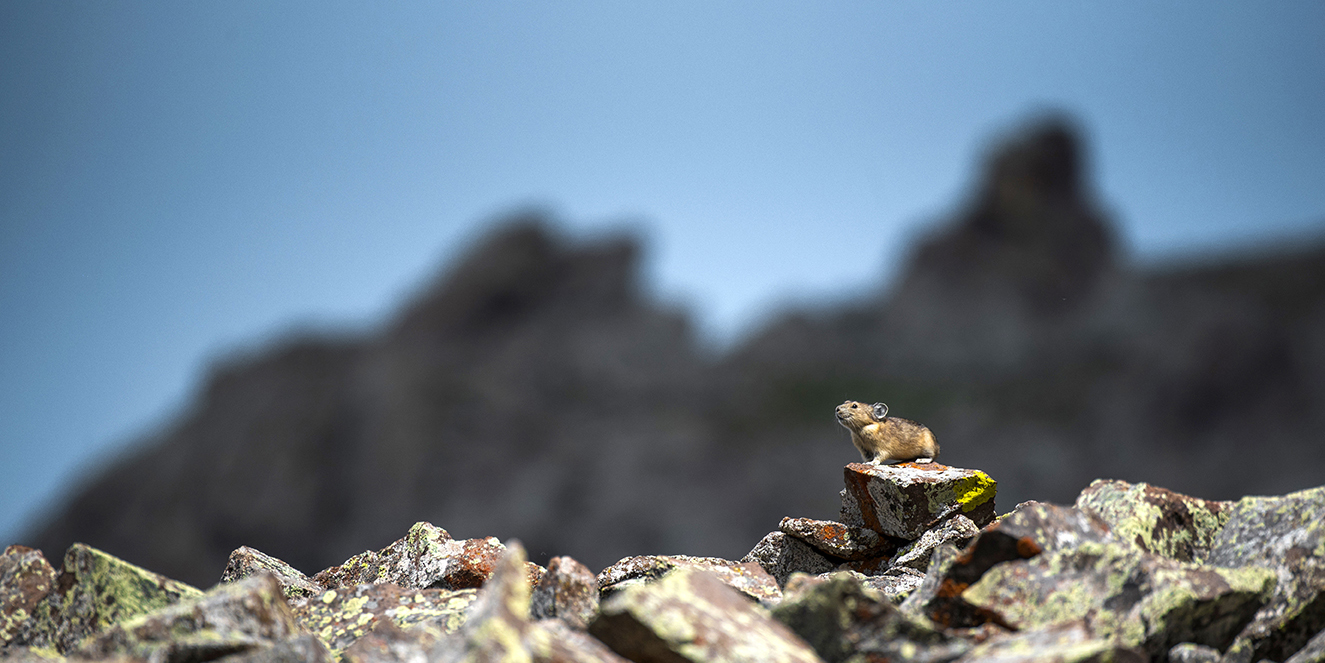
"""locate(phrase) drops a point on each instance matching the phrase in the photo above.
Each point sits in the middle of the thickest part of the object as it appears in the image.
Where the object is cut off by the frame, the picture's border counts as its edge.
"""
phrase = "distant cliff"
(534, 391)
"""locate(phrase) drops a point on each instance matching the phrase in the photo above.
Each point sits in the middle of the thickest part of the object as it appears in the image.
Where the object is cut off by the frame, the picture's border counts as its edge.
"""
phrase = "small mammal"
(880, 438)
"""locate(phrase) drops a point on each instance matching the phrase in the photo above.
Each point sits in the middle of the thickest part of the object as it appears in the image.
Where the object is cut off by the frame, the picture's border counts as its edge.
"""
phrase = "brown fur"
(886, 439)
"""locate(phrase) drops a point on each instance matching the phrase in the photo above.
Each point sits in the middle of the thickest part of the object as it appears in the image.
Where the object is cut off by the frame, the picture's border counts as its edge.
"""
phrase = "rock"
(1069, 642)
(568, 592)
(1286, 534)
(554, 641)
(426, 557)
(1190, 652)
(838, 540)
(1313, 652)
(246, 561)
(749, 578)
(691, 615)
(25, 579)
(1027, 531)
(93, 592)
(841, 618)
(781, 555)
(229, 619)
(957, 530)
(306, 648)
(344, 615)
(1139, 599)
(896, 583)
(906, 499)
(1157, 520)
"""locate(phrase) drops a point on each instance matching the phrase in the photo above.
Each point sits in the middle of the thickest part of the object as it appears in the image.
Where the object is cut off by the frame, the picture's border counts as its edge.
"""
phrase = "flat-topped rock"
(906, 499)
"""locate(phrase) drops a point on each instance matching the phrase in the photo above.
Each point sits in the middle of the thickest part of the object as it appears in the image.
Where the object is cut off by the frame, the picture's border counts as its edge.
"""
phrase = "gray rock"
(25, 579)
(957, 530)
(691, 615)
(838, 540)
(1313, 652)
(1070, 642)
(1157, 520)
(906, 499)
(246, 561)
(842, 618)
(896, 583)
(344, 615)
(1286, 534)
(749, 578)
(569, 591)
(1190, 652)
(306, 648)
(781, 555)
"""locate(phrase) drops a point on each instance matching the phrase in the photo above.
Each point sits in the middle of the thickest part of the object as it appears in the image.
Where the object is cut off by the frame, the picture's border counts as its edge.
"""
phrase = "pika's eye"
(853, 406)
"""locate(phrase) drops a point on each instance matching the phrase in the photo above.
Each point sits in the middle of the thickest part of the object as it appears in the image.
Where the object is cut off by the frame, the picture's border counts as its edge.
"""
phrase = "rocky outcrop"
(1132, 572)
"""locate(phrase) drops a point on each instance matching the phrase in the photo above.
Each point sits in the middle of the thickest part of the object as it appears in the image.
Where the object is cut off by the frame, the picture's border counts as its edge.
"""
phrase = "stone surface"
(838, 540)
(1190, 652)
(1139, 599)
(842, 618)
(1070, 642)
(230, 619)
(341, 616)
(906, 499)
(691, 615)
(957, 530)
(246, 561)
(427, 557)
(1313, 652)
(781, 555)
(1157, 520)
(306, 648)
(25, 579)
(93, 592)
(1286, 534)
(896, 583)
(569, 592)
(749, 578)
(1024, 533)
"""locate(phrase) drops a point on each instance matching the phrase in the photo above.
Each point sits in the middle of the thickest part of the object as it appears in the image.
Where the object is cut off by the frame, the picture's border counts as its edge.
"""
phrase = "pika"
(880, 438)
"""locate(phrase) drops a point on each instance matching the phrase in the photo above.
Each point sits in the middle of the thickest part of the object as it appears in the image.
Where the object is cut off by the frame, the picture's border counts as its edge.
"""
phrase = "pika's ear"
(880, 411)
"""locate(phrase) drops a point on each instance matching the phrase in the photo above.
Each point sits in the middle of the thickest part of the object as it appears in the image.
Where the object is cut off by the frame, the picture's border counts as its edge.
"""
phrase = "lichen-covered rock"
(1313, 652)
(1123, 593)
(25, 579)
(691, 615)
(1024, 533)
(906, 499)
(896, 583)
(839, 540)
(427, 557)
(781, 555)
(957, 530)
(842, 618)
(1190, 652)
(342, 616)
(246, 561)
(1157, 520)
(1069, 642)
(306, 648)
(1286, 534)
(229, 619)
(498, 622)
(553, 641)
(94, 591)
(748, 578)
(569, 591)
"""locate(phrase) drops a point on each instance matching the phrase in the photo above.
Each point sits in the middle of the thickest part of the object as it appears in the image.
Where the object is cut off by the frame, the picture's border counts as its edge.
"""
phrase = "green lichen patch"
(230, 618)
(690, 615)
(1141, 600)
(1157, 520)
(94, 592)
(341, 616)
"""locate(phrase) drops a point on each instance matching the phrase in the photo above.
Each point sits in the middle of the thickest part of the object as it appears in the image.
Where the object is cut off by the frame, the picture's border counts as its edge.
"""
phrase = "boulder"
(569, 592)
(841, 618)
(1313, 652)
(692, 615)
(1157, 520)
(749, 578)
(906, 499)
(1287, 535)
(426, 557)
(342, 616)
(25, 579)
(839, 540)
(1069, 642)
(957, 530)
(781, 555)
(93, 592)
(230, 619)
(1190, 652)
(246, 561)
(1125, 594)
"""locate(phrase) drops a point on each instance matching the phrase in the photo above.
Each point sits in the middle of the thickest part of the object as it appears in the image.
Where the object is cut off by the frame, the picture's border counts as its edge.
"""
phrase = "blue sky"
(183, 180)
